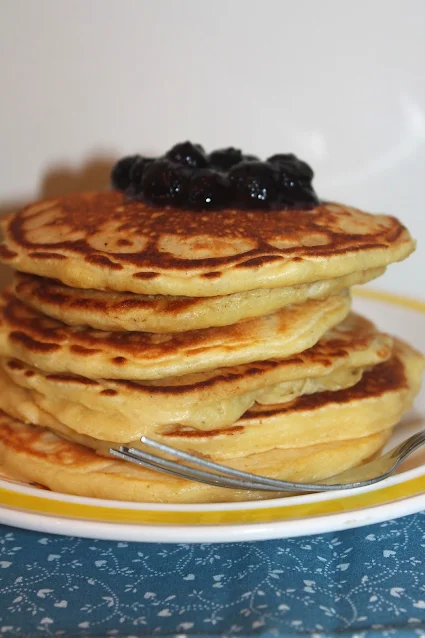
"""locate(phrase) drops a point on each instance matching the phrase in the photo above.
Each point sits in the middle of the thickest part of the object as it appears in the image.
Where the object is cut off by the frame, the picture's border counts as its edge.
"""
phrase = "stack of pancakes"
(227, 334)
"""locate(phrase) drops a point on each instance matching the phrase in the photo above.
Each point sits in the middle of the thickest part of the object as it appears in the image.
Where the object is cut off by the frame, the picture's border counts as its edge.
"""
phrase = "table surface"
(364, 582)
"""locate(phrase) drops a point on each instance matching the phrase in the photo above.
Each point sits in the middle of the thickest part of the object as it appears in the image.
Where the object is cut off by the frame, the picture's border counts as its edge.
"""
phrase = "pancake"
(37, 455)
(119, 410)
(107, 310)
(55, 347)
(375, 403)
(104, 241)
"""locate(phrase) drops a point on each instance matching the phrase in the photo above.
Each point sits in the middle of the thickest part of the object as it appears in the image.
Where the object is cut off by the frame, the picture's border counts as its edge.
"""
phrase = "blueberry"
(294, 191)
(292, 165)
(136, 175)
(120, 174)
(207, 189)
(294, 182)
(308, 196)
(188, 154)
(254, 184)
(224, 158)
(186, 176)
(165, 182)
(299, 198)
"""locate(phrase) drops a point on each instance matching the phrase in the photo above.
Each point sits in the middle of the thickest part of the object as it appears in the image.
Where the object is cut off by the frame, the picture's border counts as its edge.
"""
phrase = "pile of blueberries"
(186, 176)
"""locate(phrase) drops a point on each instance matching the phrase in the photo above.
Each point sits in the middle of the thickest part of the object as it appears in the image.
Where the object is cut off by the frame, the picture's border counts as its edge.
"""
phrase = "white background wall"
(341, 83)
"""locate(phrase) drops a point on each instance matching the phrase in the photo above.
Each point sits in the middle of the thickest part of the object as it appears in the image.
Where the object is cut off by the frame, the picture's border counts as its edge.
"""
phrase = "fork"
(204, 471)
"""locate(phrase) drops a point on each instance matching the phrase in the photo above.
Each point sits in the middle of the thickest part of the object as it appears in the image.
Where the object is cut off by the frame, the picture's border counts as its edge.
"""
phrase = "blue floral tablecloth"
(364, 582)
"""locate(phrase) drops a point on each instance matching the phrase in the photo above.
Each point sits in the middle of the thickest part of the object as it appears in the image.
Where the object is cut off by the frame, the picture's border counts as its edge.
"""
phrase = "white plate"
(41, 510)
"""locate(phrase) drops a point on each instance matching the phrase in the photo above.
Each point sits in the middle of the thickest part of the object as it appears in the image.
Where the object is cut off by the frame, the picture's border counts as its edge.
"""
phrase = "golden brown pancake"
(374, 404)
(55, 347)
(119, 410)
(108, 310)
(104, 241)
(37, 455)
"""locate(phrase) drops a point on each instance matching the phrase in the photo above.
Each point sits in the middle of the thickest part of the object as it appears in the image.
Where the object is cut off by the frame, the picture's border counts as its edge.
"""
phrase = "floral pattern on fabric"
(365, 582)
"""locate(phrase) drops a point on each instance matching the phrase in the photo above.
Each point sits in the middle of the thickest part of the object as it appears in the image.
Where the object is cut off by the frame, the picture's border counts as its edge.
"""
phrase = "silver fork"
(205, 471)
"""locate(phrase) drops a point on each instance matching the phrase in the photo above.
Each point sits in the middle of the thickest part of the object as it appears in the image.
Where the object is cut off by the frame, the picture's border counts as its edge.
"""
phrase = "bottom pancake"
(36, 455)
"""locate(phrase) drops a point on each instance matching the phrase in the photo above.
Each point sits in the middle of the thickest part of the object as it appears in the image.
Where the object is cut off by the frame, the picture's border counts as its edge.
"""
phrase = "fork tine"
(154, 462)
(223, 476)
(228, 477)
(224, 469)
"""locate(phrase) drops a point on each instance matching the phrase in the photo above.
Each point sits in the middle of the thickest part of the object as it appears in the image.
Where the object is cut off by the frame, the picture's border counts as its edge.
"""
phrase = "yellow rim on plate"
(107, 514)
(40, 505)
(391, 298)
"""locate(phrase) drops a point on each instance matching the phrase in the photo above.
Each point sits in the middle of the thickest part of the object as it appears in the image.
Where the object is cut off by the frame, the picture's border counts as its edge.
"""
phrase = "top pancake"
(106, 242)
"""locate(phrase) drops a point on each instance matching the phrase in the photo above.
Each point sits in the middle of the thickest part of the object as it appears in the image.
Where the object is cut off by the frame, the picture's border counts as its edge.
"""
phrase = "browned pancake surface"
(108, 232)
(55, 347)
